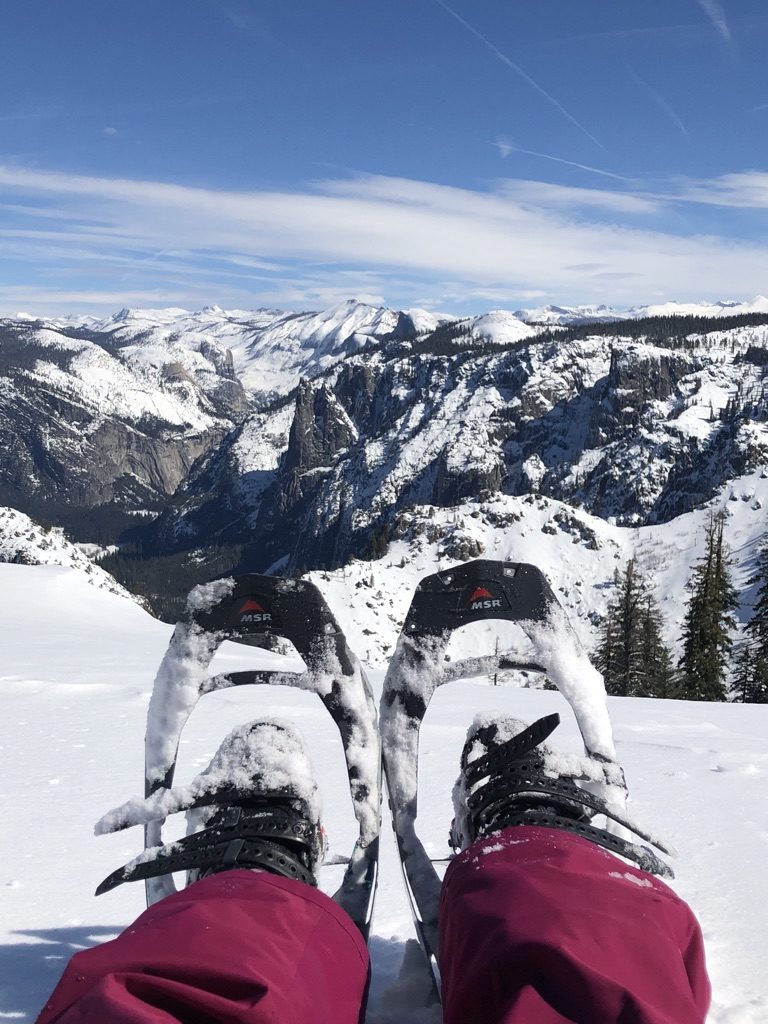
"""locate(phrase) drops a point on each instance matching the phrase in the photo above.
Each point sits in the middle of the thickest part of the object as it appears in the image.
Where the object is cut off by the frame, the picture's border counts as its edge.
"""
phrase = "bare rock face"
(637, 377)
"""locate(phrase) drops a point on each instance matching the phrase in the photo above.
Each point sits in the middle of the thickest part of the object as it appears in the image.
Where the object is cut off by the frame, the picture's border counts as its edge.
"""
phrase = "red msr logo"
(481, 600)
(251, 611)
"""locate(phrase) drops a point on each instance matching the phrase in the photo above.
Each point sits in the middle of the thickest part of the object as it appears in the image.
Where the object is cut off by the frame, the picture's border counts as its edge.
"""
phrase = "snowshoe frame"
(444, 602)
(245, 609)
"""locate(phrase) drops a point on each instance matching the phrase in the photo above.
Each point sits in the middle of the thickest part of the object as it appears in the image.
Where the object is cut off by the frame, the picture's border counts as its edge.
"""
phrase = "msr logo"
(481, 600)
(251, 611)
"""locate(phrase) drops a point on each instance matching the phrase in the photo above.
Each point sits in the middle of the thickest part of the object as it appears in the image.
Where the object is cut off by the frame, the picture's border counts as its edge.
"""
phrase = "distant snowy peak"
(565, 315)
(25, 542)
(305, 344)
(501, 327)
(553, 316)
(714, 309)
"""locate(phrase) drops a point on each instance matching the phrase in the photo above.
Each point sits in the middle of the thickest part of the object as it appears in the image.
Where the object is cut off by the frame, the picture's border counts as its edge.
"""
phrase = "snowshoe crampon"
(476, 591)
(249, 610)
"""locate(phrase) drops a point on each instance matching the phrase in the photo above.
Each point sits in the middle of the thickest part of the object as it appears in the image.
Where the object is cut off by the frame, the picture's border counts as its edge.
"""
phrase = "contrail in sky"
(716, 15)
(510, 147)
(660, 101)
(519, 71)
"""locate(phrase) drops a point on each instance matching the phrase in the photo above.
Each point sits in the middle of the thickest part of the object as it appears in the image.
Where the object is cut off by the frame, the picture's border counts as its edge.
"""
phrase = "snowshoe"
(477, 591)
(257, 611)
(510, 776)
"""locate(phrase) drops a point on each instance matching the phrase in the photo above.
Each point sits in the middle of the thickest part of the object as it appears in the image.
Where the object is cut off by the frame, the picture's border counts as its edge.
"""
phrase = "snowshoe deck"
(248, 609)
(444, 602)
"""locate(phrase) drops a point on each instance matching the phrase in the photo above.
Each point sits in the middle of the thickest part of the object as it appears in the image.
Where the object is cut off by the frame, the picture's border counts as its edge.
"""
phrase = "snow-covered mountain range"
(604, 314)
(296, 440)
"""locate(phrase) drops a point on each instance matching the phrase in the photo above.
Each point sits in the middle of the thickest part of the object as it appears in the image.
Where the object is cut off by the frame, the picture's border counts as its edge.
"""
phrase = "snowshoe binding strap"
(279, 840)
(526, 786)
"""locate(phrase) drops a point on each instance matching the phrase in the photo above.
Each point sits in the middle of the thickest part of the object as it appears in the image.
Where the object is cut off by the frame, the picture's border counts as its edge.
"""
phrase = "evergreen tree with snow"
(709, 622)
(630, 653)
(751, 684)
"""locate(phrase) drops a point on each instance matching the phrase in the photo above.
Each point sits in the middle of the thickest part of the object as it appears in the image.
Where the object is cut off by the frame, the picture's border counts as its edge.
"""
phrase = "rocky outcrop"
(638, 376)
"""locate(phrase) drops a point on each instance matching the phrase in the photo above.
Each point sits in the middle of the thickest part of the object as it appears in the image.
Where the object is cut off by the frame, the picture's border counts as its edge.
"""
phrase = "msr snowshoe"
(510, 592)
(256, 805)
(510, 776)
(258, 612)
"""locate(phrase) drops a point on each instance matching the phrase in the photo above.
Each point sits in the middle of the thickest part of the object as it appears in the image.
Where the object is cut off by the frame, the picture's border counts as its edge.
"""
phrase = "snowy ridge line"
(25, 542)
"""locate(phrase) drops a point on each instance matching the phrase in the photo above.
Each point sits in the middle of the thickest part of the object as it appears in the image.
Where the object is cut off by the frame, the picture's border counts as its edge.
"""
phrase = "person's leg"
(539, 922)
(252, 941)
(540, 925)
(239, 947)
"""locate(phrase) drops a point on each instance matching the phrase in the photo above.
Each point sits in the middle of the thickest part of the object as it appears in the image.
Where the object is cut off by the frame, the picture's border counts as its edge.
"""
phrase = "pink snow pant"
(537, 927)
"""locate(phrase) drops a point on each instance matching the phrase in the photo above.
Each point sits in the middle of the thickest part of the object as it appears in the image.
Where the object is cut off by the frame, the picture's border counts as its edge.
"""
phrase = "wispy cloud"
(716, 14)
(659, 100)
(519, 71)
(398, 239)
(746, 190)
(543, 195)
(504, 147)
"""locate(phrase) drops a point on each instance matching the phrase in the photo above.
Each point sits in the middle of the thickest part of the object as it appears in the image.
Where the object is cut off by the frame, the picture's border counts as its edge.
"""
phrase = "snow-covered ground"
(77, 671)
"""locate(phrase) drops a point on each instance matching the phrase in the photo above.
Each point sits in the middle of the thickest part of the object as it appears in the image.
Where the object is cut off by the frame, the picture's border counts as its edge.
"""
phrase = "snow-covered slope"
(501, 327)
(77, 692)
(578, 552)
(25, 542)
(84, 425)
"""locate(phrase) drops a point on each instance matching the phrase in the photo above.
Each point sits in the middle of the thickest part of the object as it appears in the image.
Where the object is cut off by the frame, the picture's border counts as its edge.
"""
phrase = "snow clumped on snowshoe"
(256, 805)
(510, 776)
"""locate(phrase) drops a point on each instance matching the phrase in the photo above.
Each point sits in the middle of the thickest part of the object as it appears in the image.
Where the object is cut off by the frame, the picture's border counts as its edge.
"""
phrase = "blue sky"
(453, 155)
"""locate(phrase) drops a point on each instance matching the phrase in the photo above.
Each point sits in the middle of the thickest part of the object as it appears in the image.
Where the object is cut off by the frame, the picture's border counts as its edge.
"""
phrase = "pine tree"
(630, 652)
(742, 678)
(657, 664)
(757, 693)
(751, 684)
(708, 625)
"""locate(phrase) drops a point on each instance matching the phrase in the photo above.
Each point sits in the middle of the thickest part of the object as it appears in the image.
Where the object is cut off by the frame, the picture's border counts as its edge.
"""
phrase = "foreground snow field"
(77, 671)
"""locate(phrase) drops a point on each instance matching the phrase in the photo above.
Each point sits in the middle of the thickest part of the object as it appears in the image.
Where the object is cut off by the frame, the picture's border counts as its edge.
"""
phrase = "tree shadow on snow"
(31, 969)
